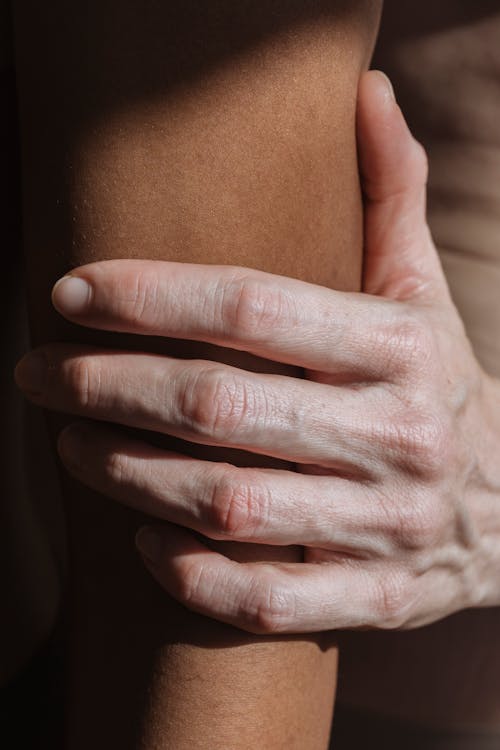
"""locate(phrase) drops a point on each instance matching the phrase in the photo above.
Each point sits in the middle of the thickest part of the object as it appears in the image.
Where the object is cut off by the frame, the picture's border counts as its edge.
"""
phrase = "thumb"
(401, 261)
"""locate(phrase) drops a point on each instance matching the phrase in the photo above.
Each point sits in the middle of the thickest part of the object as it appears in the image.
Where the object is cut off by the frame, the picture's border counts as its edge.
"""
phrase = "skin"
(189, 152)
(444, 67)
(428, 421)
(414, 657)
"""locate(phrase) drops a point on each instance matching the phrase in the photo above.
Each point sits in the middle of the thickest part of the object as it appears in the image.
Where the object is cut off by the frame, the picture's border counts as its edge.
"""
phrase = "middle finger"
(212, 404)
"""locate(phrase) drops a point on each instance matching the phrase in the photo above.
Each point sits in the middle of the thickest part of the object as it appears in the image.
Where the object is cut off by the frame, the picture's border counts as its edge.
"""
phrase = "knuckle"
(254, 310)
(435, 444)
(190, 584)
(142, 299)
(214, 404)
(391, 601)
(430, 444)
(238, 507)
(117, 468)
(414, 525)
(270, 607)
(83, 376)
(420, 441)
(408, 344)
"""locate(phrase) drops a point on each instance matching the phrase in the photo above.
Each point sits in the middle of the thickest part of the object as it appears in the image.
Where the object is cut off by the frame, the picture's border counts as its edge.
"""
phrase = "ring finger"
(266, 506)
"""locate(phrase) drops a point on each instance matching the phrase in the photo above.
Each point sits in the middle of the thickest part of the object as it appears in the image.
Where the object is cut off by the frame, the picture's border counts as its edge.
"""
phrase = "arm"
(200, 134)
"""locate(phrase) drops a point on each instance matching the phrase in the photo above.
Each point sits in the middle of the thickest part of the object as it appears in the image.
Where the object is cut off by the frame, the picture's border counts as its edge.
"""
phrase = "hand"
(396, 430)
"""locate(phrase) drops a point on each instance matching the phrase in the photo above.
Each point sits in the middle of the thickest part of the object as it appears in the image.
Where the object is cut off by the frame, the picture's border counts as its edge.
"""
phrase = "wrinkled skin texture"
(447, 655)
(445, 65)
(395, 431)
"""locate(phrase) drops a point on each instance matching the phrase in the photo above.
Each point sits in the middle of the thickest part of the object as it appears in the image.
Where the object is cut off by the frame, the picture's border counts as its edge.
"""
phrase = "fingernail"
(31, 373)
(71, 295)
(149, 543)
(388, 84)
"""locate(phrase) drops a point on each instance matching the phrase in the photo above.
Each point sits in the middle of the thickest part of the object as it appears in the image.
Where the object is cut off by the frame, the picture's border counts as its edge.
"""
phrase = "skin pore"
(205, 133)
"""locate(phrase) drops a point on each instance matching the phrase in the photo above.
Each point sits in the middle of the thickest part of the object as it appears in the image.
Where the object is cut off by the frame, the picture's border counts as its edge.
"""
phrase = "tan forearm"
(242, 151)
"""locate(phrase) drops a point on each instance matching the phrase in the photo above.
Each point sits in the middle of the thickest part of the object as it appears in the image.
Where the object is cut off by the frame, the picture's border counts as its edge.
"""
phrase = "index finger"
(271, 316)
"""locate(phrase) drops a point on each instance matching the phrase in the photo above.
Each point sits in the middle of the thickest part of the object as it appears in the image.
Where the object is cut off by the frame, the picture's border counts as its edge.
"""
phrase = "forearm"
(244, 158)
